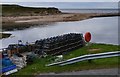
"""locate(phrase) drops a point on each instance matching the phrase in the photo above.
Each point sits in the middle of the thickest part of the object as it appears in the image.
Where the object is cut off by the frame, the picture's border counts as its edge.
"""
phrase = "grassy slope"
(16, 10)
(4, 35)
(101, 48)
(39, 64)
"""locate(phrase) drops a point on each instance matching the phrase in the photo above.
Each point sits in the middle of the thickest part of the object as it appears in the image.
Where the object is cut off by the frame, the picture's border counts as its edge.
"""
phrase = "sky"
(60, 0)
(66, 4)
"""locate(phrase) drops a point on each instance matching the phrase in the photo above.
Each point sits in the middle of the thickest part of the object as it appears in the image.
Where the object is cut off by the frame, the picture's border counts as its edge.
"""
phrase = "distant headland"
(17, 10)
(20, 17)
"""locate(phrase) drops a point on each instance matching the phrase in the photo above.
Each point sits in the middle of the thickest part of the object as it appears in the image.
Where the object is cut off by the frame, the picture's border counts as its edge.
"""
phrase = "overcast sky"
(63, 4)
(60, 0)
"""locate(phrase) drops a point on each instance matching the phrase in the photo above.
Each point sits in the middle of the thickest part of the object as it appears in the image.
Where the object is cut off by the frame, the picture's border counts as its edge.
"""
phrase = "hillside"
(17, 10)
(19, 17)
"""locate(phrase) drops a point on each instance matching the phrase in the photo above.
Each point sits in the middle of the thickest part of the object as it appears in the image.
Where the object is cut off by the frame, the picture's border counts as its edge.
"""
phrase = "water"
(90, 10)
(103, 30)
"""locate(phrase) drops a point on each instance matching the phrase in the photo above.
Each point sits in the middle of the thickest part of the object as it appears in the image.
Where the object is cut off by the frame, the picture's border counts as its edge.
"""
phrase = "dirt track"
(110, 71)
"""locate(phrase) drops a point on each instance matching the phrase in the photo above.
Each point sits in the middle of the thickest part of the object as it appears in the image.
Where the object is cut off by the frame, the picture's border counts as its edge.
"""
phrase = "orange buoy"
(87, 36)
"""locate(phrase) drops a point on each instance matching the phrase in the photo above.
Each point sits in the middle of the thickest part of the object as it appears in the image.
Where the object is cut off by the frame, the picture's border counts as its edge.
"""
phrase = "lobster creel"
(59, 44)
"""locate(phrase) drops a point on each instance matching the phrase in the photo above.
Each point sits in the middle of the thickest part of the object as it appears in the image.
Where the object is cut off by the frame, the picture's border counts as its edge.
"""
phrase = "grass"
(86, 50)
(17, 10)
(38, 65)
(4, 35)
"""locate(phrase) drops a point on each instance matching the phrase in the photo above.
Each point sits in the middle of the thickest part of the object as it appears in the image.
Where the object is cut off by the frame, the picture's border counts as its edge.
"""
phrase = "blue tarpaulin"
(8, 68)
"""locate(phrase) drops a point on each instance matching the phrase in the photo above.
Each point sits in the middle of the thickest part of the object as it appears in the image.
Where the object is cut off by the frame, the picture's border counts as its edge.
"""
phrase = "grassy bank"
(17, 10)
(4, 35)
(39, 64)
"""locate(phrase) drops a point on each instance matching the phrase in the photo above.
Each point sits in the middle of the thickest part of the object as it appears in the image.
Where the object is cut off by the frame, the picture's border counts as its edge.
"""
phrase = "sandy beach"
(27, 21)
(46, 18)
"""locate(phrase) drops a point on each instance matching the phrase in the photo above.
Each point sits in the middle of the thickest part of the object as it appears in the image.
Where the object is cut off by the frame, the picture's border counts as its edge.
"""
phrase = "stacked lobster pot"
(59, 44)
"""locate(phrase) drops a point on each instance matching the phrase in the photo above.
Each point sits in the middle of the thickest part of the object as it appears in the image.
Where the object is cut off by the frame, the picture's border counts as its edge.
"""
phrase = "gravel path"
(111, 71)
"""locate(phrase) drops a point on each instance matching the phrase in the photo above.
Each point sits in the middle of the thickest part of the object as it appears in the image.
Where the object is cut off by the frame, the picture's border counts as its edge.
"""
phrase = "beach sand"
(27, 21)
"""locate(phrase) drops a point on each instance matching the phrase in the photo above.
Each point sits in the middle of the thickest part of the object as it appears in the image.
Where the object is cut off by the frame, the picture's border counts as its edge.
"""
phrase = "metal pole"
(88, 47)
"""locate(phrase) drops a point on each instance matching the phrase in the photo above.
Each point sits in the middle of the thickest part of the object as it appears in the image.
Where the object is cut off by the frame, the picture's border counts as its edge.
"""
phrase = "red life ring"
(87, 36)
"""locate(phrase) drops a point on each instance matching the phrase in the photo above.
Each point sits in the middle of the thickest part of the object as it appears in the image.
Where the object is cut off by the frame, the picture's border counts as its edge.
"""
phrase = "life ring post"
(87, 38)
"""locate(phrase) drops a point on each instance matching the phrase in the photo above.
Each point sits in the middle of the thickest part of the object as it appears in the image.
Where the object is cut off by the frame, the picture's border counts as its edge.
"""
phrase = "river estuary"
(103, 30)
